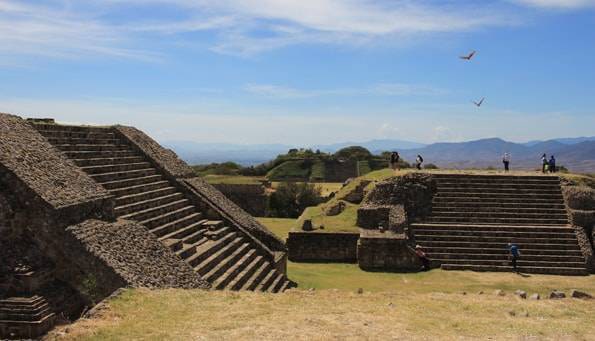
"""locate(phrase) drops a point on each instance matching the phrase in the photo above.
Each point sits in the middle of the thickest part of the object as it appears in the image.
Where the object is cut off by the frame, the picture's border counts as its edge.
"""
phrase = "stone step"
(134, 193)
(495, 233)
(29, 301)
(444, 257)
(438, 209)
(499, 245)
(189, 249)
(538, 270)
(127, 183)
(186, 231)
(459, 200)
(155, 191)
(276, 285)
(517, 192)
(497, 195)
(56, 134)
(499, 251)
(504, 239)
(108, 161)
(23, 309)
(177, 224)
(217, 257)
(224, 264)
(499, 214)
(525, 186)
(28, 330)
(502, 205)
(267, 276)
(168, 217)
(505, 262)
(502, 227)
(222, 281)
(487, 220)
(246, 273)
(209, 248)
(92, 147)
(72, 128)
(173, 244)
(286, 285)
(124, 175)
(158, 209)
(196, 238)
(111, 168)
(499, 178)
(258, 277)
(101, 154)
(83, 140)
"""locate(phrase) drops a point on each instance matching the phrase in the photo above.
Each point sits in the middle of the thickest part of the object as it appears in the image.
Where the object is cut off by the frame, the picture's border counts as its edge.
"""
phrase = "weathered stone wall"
(385, 251)
(251, 198)
(166, 159)
(134, 254)
(232, 213)
(390, 217)
(30, 163)
(322, 247)
(336, 171)
(580, 203)
(414, 191)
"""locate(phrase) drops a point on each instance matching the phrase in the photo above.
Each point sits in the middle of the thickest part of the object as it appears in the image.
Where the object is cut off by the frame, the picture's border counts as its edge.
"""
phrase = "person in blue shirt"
(515, 253)
(552, 164)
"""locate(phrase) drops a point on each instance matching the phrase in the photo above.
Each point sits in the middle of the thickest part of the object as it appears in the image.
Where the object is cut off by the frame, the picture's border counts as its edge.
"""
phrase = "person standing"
(544, 163)
(394, 161)
(552, 164)
(506, 161)
(515, 253)
(418, 161)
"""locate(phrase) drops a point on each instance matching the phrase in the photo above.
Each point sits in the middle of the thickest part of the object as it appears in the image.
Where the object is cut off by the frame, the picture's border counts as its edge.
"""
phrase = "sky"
(303, 72)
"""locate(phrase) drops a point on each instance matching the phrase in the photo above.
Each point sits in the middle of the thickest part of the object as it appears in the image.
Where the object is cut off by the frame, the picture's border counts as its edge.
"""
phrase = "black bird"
(478, 104)
(469, 56)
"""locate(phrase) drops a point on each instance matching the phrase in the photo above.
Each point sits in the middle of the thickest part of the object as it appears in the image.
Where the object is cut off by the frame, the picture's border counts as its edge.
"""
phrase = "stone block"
(385, 251)
(322, 247)
(580, 294)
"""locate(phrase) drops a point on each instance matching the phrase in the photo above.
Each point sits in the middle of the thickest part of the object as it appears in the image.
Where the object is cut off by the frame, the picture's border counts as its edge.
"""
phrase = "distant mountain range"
(577, 154)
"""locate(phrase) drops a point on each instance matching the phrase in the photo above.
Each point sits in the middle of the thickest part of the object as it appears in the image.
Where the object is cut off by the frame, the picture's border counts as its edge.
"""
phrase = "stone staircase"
(25, 317)
(475, 216)
(222, 255)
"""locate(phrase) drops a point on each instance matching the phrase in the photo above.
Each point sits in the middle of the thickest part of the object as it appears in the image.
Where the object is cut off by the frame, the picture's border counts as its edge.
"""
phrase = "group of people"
(395, 158)
(546, 165)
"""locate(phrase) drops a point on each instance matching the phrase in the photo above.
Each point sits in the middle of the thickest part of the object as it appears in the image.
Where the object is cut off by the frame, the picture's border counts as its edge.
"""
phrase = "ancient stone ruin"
(86, 210)
(465, 221)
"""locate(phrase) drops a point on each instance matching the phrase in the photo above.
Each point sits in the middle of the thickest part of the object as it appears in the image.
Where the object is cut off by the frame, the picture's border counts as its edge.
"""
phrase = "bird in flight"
(478, 104)
(469, 56)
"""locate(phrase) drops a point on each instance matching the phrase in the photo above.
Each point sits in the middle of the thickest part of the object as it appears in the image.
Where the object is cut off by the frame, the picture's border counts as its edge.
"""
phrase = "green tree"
(291, 199)
(354, 153)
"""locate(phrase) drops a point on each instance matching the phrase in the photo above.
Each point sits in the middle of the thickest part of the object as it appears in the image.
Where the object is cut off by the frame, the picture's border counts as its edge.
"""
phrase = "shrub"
(291, 199)
(354, 153)
(430, 166)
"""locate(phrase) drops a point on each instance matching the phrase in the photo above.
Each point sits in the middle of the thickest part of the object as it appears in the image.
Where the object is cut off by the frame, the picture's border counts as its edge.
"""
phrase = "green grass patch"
(233, 179)
(293, 169)
(318, 170)
(279, 226)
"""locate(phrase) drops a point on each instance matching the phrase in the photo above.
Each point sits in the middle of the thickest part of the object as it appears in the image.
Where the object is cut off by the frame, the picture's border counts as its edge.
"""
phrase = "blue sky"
(304, 71)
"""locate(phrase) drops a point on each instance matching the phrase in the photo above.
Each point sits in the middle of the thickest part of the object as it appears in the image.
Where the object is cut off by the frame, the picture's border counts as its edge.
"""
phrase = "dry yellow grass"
(332, 315)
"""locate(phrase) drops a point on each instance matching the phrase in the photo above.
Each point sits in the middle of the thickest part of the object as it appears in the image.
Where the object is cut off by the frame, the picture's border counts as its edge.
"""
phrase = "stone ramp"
(475, 216)
(222, 255)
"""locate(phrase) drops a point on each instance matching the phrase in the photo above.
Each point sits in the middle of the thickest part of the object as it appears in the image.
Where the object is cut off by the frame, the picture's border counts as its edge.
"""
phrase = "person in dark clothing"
(506, 161)
(544, 163)
(515, 253)
(418, 161)
(394, 161)
(425, 261)
(552, 164)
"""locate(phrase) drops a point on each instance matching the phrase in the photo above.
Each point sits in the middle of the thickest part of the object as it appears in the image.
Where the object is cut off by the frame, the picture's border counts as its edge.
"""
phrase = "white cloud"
(387, 130)
(558, 4)
(69, 28)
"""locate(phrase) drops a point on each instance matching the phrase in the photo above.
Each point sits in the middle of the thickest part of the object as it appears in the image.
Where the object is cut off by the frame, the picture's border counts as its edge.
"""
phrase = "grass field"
(233, 179)
(445, 305)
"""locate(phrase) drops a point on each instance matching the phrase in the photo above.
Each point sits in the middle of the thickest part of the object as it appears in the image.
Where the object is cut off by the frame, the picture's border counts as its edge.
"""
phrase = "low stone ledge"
(251, 198)
(322, 247)
(388, 217)
(386, 251)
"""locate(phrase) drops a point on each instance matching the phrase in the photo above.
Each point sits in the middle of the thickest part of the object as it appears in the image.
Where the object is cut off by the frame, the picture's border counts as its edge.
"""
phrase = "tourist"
(544, 163)
(425, 261)
(394, 161)
(418, 161)
(514, 251)
(506, 161)
(552, 164)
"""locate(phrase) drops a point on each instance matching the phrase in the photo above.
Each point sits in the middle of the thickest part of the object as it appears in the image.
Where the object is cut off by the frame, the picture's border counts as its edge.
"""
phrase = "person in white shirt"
(506, 161)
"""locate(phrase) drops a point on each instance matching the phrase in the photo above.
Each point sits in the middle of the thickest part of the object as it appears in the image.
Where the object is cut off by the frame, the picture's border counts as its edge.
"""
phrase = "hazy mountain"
(577, 154)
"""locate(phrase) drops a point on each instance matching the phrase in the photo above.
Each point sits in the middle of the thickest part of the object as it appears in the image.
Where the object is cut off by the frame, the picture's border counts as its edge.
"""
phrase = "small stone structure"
(386, 251)
(322, 247)
(580, 203)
